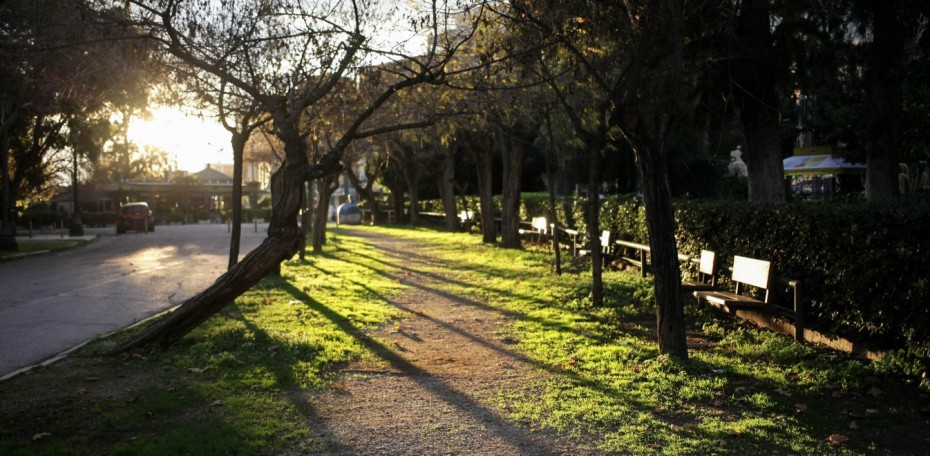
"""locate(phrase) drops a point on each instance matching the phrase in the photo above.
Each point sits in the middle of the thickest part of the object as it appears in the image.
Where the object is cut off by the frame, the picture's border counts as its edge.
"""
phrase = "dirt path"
(437, 391)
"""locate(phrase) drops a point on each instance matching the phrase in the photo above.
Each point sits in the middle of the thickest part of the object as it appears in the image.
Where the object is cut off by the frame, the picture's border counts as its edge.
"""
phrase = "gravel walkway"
(437, 388)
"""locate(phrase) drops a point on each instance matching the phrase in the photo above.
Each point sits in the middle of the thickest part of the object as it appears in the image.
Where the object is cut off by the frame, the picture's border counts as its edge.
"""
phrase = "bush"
(202, 215)
(41, 217)
(98, 218)
(175, 217)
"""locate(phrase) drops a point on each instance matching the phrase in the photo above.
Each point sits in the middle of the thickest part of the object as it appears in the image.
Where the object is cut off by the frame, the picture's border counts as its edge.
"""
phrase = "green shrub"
(202, 215)
(175, 217)
(98, 218)
(40, 218)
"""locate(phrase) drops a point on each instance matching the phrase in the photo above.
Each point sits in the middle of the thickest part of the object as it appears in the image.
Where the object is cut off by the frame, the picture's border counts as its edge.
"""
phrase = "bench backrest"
(708, 263)
(539, 224)
(752, 272)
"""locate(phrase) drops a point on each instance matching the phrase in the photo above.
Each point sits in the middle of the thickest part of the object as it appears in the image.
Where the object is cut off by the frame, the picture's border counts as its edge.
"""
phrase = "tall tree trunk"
(512, 157)
(412, 188)
(553, 211)
(238, 145)
(755, 75)
(7, 235)
(593, 212)
(486, 194)
(885, 98)
(306, 219)
(447, 189)
(326, 186)
(660, 223)
(75, 228)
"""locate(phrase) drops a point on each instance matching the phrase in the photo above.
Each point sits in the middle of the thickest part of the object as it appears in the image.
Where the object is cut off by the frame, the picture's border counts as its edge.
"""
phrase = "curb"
(67, 352)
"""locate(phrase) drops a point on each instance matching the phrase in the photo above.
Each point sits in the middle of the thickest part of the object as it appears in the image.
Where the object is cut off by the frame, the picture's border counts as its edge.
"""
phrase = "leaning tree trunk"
(282, 243)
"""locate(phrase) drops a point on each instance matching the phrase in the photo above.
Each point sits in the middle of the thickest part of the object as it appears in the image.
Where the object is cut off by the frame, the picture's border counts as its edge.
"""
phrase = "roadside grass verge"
(742, 391)
(31, 246)
(233, 386)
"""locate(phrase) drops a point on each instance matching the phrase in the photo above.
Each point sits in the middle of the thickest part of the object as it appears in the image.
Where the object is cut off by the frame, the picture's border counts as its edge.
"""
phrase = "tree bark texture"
(885, 99)
(486, 194)
(326, 186)
(512, 158)
(447, 190)
(238, 145)
(755, 74)
(660, 224)
(593, 212)
(7, 235)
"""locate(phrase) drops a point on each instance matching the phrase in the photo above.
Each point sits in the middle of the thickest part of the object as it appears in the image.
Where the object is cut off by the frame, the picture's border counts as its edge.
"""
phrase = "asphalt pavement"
(54, 302)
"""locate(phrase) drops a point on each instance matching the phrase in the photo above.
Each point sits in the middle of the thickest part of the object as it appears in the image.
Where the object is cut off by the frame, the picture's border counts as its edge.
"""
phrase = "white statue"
(737, 167)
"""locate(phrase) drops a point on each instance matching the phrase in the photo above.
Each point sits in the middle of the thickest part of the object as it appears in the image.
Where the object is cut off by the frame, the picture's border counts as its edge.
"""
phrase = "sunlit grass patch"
(747, 392)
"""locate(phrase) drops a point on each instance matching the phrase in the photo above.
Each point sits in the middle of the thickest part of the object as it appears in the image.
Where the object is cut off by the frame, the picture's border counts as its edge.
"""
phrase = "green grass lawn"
(239, 383)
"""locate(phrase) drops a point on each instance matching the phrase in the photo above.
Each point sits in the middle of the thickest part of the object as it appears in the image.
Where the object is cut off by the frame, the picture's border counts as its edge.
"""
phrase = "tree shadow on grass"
(695, 367)
(575, 377)
(507, 431)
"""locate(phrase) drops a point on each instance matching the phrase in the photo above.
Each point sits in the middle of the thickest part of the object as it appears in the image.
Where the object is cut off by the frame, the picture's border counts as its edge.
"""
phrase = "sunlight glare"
(190, 140)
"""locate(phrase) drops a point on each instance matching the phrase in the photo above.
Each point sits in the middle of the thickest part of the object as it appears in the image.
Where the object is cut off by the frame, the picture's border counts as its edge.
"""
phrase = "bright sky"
(191, 141)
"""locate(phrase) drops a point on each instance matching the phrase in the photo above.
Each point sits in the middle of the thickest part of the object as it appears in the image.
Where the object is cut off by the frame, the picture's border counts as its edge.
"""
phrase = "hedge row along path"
(435, 389)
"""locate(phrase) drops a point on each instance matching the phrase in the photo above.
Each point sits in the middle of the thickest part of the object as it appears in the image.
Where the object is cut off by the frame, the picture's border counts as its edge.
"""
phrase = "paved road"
(51, 303)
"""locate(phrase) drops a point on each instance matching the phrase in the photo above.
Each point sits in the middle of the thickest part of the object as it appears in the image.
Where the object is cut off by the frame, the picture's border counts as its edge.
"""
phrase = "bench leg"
(799, 310)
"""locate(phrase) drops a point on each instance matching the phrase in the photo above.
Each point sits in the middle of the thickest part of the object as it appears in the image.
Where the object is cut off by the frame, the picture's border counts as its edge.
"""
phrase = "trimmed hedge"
(865, 267)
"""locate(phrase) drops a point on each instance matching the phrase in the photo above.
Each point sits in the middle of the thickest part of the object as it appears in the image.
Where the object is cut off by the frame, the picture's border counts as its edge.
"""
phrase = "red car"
(135, 216)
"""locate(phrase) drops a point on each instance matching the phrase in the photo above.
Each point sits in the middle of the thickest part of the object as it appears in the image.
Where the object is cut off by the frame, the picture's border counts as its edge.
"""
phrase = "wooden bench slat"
(732, 300)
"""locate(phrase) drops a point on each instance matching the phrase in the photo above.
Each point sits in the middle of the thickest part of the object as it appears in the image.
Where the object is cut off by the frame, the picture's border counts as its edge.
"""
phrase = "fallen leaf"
(871, 412)
(40, 436)
(875, 392)
(92, 379)
(720, 443)
(853, 425)
(783, 392)
(82, 391)
(198, 370)
(654, 446)
(836, 439)
(217, 403)
(800, 407)
(733, 432)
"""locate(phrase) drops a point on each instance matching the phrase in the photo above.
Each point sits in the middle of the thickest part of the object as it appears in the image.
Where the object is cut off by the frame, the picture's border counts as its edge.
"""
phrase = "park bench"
(706, 277)
(606, 248)
(752, 274)
(538, 227)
